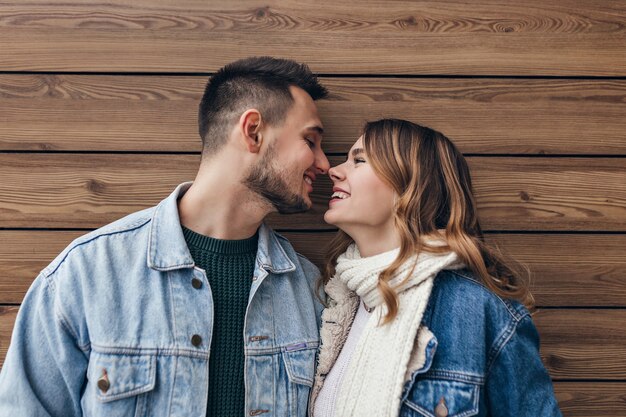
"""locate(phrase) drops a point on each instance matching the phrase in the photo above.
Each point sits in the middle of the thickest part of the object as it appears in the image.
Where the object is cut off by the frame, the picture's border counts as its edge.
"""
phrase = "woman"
(421, 317)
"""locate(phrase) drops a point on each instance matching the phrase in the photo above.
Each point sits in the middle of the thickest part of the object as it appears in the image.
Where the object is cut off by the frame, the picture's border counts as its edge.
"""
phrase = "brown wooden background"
(98, 119)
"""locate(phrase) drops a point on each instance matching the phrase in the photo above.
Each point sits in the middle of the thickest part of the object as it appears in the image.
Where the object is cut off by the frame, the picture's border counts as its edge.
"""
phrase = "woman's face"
(360, 199)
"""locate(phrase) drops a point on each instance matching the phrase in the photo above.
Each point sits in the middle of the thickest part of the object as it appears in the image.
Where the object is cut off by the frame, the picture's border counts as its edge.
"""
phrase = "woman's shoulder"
(462, 293)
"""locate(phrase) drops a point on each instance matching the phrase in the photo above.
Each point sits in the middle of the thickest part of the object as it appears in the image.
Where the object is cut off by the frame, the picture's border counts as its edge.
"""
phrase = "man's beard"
(269, 183)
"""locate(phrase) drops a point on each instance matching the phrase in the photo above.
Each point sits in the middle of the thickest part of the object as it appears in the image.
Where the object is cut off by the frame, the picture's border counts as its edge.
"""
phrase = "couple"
(196, 308)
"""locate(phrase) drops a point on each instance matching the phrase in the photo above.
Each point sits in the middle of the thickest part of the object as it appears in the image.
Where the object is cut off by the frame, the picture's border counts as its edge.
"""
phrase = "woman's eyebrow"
(356, 151)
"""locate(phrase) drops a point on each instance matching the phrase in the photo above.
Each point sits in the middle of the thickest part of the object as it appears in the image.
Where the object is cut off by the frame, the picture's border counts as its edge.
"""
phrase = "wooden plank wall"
(98, 119)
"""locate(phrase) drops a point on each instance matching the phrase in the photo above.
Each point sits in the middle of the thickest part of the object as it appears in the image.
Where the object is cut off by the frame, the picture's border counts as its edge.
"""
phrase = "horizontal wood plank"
(87, 191)
(567, 270)
(583, 343)
(7, 322)
(567, 194)
(598, 399)
(153, 113)
(575, 344)
(484, 37)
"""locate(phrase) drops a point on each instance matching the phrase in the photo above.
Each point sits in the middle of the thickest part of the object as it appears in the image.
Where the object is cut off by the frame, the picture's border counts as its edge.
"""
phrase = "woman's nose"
(336, 173)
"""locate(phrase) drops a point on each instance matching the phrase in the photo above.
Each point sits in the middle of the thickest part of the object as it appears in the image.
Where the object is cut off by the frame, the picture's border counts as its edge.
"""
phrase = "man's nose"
(321, 162)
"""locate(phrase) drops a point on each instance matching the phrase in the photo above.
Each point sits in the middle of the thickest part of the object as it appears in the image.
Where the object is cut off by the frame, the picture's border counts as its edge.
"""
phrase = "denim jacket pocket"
(454, 399)
(121, 383)
(300, 367)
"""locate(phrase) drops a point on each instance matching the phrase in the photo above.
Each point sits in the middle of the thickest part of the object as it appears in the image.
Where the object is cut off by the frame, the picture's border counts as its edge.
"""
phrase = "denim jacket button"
(441, 410)
(196, 340)
(103, 382)
(196, 283)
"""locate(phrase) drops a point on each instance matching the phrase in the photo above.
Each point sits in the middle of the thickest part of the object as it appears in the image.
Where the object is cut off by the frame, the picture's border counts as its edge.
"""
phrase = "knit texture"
(325, 402)
(373, 382)
(229, 266)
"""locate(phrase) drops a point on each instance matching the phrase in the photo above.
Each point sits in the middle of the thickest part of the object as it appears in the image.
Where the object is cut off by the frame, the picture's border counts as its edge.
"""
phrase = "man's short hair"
(257, 82)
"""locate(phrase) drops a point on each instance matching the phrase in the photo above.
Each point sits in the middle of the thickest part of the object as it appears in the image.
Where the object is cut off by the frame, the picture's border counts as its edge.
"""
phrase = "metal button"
(441, 410)
(103, 382)
(196, 283)
(196, 340)
(254, 278)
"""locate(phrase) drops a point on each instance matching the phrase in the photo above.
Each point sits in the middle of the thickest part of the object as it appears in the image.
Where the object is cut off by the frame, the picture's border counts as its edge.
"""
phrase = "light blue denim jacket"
(483, 359)
(119, 301)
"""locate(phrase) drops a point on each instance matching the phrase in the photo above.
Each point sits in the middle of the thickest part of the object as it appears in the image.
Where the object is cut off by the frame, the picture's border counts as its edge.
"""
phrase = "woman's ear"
(250, 127)
(396, 200)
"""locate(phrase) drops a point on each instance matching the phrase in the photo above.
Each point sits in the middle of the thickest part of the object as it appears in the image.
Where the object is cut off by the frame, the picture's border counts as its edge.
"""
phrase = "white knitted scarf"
(373, 382)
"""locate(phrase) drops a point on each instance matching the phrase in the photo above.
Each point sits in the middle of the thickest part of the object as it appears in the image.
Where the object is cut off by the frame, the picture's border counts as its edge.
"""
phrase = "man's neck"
(221, 207)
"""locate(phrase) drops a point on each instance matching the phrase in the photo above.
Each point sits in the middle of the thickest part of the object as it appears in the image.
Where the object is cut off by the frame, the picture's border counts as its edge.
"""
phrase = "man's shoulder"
(101, 238)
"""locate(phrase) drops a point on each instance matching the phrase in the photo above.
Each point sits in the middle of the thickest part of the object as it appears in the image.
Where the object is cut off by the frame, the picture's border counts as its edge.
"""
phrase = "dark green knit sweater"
(229, 266)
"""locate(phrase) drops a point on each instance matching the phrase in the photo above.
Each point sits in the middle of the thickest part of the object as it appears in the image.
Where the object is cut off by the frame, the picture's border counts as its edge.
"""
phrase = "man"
(193, 307)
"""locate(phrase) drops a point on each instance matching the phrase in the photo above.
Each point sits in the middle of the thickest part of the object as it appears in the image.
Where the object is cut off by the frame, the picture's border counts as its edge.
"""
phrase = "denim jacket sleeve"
(45, 368)
(518, 384)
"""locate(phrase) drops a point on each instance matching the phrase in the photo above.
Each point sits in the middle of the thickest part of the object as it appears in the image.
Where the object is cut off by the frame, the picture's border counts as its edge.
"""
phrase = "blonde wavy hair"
(434, 193)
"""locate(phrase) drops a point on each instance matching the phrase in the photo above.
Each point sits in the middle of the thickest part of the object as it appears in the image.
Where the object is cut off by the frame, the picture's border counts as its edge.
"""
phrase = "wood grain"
(567, 270)
(571, 270)
(153, 113)
(89, 190)
(485, 37)
(7, 321)
(584, 399)
(572, 194)
(583, 343)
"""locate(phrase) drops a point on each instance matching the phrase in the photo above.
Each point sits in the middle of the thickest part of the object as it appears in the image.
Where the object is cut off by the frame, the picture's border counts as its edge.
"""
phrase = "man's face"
(285, 174)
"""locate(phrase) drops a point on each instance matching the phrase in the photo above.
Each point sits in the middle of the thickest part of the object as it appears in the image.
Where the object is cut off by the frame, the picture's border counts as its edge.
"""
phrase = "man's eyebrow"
(317, 129)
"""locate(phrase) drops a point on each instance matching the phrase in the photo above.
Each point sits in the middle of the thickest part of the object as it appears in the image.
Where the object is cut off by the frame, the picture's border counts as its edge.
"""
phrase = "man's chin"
(293, 209)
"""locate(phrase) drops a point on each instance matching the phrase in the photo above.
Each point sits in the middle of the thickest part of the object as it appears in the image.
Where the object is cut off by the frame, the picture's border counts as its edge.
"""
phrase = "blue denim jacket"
(483, 359)
(106, 329)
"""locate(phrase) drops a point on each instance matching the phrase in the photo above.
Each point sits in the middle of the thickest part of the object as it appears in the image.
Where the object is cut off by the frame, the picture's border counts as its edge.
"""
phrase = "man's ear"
(250, 126)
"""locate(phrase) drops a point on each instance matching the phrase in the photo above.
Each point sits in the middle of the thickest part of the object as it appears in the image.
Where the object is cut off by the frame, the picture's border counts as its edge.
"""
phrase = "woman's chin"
(329, 218)
(333, 218)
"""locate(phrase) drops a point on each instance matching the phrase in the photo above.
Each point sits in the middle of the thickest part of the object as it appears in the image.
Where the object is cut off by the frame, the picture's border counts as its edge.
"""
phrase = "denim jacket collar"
(167, 249)
(270, 254)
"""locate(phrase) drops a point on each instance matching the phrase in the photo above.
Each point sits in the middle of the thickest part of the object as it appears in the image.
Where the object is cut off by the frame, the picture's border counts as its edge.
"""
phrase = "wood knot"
(262, 12)
(95, 186)
(524, 196)
(410, 21)
(554, 362)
